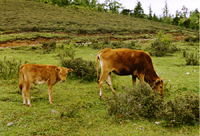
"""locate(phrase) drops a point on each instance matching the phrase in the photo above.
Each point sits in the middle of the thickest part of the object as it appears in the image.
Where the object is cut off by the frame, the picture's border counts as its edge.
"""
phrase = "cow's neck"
(151, 77)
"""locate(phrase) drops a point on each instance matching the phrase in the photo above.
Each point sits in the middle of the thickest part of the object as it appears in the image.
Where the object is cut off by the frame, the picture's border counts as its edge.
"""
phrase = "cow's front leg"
(50, 91)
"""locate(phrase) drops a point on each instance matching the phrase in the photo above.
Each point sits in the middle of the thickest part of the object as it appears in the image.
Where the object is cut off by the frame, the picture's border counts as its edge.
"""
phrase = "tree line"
(113, 6)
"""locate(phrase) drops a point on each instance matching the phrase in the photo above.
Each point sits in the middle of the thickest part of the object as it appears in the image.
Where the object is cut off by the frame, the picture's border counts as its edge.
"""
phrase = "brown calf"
(40, 74)
(127, 62)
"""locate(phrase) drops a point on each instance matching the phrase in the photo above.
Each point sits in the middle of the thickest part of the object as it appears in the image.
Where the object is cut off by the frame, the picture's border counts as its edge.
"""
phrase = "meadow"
(77, 108)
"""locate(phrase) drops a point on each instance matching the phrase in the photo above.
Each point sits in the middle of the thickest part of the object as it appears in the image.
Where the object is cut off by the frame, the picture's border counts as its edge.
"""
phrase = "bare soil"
(39, 41)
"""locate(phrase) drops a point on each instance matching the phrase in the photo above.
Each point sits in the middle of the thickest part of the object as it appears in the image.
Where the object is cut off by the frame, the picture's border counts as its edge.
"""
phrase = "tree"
(185, 11)
(155, 18)
(138, 11)
(150, 13)
(126, 11)
(113, 6)
(165, 10)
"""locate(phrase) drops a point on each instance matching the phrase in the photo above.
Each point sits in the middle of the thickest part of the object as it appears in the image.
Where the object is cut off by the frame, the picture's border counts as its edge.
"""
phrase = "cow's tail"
(21, 78)
(97, 57)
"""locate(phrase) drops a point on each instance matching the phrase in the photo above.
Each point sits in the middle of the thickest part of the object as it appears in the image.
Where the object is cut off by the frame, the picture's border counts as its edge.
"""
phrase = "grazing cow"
(40, 74)
(127, 62)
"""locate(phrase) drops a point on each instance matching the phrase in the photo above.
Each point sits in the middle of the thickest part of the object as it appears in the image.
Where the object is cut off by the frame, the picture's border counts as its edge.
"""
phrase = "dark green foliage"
(138, 11)
(9, 69)
(192, 59)
(162, 46)
(192, 38)
(82, 69)
(48, 47)
(144, 102)
(184, 109)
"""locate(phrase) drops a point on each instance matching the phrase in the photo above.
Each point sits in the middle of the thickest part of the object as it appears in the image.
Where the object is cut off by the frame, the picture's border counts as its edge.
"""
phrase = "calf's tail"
(21, 78)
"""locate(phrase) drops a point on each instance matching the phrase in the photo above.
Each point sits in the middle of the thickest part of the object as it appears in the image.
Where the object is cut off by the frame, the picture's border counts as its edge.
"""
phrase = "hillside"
(29, 15)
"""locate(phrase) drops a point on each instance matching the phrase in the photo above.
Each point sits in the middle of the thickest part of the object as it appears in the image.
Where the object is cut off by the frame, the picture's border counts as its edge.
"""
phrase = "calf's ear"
(70, 70)
(57, 69)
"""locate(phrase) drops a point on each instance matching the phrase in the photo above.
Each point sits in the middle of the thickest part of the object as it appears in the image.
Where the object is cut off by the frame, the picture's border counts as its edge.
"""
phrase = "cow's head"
(159, 86)
(62, 73)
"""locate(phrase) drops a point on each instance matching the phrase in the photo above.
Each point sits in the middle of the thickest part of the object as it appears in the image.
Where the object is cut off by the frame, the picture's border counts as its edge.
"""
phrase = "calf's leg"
(50, 91)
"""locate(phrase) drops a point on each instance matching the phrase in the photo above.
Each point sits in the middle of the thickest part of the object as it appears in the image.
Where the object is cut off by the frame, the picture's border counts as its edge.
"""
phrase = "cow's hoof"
(102, 98)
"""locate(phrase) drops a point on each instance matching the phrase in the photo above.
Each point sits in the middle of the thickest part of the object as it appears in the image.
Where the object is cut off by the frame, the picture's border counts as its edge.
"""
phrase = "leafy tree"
(155, 18)
(194, 19)
(138, 11)
(126, 11)
(113, 6)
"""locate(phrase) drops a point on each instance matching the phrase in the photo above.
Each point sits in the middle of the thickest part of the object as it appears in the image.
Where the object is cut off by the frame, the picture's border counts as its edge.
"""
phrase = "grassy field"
(77, 108)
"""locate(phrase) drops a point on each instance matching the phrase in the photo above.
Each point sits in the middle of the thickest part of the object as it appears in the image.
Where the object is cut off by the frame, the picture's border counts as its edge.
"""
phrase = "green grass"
(77, 108)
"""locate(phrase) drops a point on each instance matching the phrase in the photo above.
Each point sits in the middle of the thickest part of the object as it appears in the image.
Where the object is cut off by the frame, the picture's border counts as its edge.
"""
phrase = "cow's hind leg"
(101, 80)
(108, 81)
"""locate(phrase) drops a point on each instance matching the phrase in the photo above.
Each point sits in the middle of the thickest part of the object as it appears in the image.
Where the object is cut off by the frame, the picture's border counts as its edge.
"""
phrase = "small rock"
(54, 112)
(157, 123)
(10, 123)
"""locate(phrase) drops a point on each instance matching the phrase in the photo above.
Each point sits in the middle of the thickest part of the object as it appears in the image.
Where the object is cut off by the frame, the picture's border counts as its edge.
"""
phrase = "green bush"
(48, 47)
(142, 101)
(82, 69)
(184, 109)
(162, 46)
(9, 69)
(66, 50)
(192, 59)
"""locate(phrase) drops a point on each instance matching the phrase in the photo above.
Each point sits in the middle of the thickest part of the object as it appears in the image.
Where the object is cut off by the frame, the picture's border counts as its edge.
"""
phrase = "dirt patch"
(37, 41)
(40, 40)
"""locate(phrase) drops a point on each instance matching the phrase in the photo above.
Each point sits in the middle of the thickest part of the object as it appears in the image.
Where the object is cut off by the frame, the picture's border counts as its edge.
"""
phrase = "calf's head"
(159, 86)
(62, 73)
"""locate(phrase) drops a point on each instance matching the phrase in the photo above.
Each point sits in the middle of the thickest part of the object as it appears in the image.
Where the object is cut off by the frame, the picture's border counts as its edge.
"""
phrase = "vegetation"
(78, 20)
(72, 36)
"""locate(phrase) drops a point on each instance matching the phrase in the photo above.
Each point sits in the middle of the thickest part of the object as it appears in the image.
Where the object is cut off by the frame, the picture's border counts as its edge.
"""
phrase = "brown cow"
(40, 74)
(127, 62)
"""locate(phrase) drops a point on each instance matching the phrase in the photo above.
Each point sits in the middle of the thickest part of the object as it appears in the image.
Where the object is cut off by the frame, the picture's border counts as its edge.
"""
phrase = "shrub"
(48, 47)
(82, 69)
(142, 101)
(162, 46)
(184, 109)
(9, 69)
(192, 59)
(66, 50)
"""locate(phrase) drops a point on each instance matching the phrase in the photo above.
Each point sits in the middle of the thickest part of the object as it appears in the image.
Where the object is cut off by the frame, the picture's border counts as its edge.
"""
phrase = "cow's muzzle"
(63, 80)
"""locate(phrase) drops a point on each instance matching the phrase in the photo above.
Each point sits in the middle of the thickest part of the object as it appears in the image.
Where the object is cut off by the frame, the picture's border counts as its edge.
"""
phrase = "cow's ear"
(57, 69)
(70, 70)
(158, 81)
(162, 79)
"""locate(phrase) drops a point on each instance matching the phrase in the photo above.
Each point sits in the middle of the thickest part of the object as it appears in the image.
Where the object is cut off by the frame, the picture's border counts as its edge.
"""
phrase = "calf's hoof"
(102, 98)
